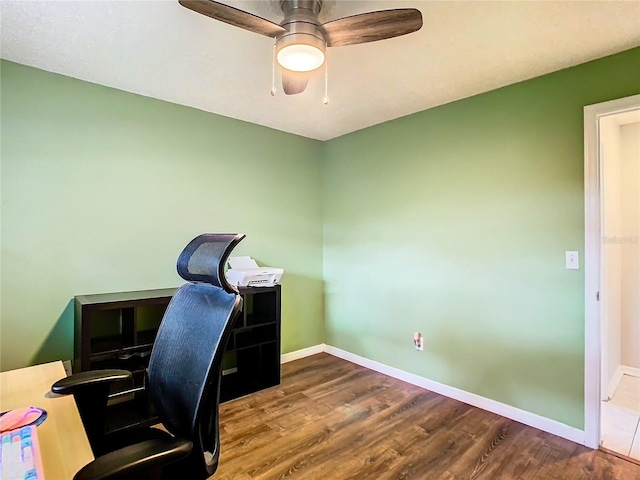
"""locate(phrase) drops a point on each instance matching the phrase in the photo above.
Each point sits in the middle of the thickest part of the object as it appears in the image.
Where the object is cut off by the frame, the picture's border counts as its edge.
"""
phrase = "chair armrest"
(91, 392)
(91, 378)
(131, 460)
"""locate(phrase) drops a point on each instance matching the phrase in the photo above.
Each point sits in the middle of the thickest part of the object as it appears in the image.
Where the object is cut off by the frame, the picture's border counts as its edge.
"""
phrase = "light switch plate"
(572, 260)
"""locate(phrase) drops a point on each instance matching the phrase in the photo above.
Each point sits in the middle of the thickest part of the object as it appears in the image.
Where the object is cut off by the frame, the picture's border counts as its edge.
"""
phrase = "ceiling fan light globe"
(300, 57)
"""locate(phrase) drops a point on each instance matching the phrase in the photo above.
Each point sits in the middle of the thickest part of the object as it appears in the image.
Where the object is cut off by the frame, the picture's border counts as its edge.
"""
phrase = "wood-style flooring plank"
(331, 419)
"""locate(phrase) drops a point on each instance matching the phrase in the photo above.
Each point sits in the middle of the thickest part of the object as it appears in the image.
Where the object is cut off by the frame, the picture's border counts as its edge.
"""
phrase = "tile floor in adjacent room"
(621, 418)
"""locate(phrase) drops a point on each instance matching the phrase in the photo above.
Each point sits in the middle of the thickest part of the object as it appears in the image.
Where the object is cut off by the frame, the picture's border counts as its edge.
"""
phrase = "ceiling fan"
(301, 40)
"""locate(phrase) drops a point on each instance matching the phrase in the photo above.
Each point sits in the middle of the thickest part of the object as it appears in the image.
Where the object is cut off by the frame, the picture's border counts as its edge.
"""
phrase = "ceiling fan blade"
(233, 16)
(294, 82)
(371, 26)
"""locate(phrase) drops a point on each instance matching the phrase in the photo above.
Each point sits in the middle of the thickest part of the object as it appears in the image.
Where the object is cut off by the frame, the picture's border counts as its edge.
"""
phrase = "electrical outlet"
(418, 341)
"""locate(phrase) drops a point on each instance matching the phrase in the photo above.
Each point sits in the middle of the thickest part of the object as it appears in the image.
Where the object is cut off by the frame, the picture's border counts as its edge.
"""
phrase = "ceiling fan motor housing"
(301, 41)
(302, 25)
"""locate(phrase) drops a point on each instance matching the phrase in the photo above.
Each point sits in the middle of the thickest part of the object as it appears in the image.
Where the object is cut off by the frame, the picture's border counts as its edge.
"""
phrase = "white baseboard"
(617, 377)
(634, 372)
(305, 352)
(533, 420)
(614, 382)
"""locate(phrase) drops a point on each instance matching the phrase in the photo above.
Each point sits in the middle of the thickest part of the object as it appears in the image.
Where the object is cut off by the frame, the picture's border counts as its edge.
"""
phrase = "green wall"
(101, 190)
(454, 222)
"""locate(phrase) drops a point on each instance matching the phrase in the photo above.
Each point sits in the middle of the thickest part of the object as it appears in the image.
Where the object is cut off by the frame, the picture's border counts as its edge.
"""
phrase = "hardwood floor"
(334, 420)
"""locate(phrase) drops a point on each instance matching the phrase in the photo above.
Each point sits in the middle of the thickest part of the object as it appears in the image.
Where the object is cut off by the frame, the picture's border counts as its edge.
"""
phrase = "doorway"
(612, 276)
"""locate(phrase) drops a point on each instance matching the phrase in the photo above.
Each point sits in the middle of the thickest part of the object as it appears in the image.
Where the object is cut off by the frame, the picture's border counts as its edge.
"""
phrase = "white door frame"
(593, 259)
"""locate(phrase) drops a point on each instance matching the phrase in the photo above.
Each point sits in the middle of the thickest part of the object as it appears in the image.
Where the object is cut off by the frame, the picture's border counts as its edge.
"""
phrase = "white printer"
(245, 272)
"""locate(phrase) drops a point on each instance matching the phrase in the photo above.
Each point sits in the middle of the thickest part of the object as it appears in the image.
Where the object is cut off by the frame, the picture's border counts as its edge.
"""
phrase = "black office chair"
(183, 378)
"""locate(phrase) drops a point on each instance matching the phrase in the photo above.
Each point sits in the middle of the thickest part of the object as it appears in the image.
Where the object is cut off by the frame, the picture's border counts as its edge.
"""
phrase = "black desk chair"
(183, 378)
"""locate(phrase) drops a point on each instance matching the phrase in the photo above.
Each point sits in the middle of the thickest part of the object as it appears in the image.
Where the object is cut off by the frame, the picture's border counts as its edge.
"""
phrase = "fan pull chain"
(325, 100)
(273, 72)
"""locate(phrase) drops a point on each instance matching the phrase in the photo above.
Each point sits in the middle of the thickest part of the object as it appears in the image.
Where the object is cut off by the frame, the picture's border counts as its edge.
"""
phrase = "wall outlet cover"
(572, 260)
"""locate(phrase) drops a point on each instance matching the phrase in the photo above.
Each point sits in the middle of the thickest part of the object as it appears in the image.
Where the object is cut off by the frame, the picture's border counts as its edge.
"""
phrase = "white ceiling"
(162, 50)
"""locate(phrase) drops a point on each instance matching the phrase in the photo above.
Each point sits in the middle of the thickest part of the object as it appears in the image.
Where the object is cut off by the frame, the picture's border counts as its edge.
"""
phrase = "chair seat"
(122, 438)
(146, 460)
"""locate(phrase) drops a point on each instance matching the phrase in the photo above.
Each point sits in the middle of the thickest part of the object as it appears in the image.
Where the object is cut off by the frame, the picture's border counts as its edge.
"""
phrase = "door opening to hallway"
(619, 153)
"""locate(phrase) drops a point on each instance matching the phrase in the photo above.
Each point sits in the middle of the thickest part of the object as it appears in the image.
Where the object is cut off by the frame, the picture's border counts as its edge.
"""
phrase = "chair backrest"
(186, 360)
